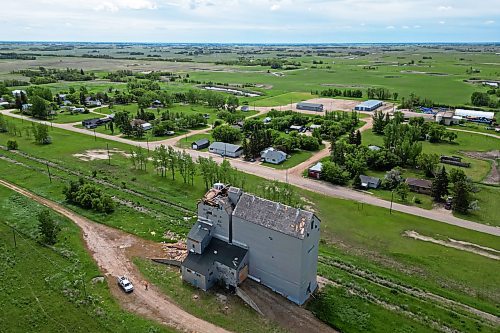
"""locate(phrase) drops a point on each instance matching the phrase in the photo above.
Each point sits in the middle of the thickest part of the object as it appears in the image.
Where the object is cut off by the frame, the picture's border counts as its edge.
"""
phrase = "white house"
(225, 149)
(273, 156)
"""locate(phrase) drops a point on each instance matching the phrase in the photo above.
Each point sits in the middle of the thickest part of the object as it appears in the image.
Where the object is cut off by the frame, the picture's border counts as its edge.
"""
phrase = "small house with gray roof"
(240, 235)
(225, 149)
(273, 156)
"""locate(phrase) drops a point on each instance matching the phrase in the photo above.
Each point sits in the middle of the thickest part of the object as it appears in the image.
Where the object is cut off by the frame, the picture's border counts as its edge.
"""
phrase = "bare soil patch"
(456, 244)
(98, 154)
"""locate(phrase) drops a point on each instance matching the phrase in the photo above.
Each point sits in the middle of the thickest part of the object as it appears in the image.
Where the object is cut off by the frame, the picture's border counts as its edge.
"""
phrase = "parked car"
(125, 284)
(169, 132)
(448, 203)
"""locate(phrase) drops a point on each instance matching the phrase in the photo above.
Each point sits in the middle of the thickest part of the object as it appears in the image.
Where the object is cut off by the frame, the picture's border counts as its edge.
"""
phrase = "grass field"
(46, 290)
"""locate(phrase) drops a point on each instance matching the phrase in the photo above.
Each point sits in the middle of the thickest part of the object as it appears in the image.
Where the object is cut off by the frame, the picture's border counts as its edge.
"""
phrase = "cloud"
(489, 22)
(275, 7)
(442, 22)
(390, 27)
(445, 8)
(115, 5)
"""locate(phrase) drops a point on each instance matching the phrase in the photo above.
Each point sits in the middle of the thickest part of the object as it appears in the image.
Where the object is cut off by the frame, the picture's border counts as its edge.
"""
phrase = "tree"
(402, 191)
(226, 133)
(358, 140)
(39, 107)
(160, 159)
(47, 227)
(461, 196)
(480, 99)
(440, 185)
(172, 160)
(378, 122)
(392, 178)
(334, 173)
(41, 133)
(232, 103)
(428, 163)
(451, 136)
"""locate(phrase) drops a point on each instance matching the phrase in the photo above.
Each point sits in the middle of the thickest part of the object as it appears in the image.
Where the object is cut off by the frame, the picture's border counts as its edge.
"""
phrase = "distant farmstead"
(369, 105)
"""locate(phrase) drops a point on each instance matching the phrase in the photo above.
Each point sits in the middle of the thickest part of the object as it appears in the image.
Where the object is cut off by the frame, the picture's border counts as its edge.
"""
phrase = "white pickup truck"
(125, 284)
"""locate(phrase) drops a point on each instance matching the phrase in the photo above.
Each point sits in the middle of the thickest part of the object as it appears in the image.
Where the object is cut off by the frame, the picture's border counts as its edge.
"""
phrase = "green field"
(50, 290)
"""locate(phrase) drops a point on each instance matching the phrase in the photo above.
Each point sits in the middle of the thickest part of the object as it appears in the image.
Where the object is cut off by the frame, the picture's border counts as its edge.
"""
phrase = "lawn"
(46, 290)
(296, 158)
(352, 232)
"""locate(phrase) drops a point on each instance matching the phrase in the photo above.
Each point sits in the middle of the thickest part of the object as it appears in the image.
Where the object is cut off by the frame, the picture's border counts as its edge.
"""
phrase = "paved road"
(296, 179)
(114, 250)
(480, 133)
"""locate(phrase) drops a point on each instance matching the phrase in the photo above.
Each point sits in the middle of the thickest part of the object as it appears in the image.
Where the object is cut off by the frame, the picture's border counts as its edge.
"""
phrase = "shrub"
(12, 145)
(88, 196)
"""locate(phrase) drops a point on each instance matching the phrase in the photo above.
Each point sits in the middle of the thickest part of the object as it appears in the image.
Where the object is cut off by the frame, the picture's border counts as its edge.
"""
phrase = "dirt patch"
(264, 86)
(456, 244)
(427, 73)
(277, 308)
(98, 154)
(493, 177)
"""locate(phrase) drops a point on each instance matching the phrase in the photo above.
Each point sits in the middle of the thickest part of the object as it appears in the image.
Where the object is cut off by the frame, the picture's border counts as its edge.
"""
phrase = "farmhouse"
(225, 149)
(273, 156)
(419, 185)
(369, 105)
(369, 182)
(267, 120)
(310, 106)
(297, 128)
(156, 104)
(239, 235)
(91, 123)
(200, 144)
(18, 92)
(315, 171)
(92, 102)
(447, 118)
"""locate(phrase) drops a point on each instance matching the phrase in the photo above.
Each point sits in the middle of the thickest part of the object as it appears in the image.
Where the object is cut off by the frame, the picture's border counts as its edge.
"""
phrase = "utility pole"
(392, 198)
(109, 156)
(147, 143)
(48, 170)
(95, 137)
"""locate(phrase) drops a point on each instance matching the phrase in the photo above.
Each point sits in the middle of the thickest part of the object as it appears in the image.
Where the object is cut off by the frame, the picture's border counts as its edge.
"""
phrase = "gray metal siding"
(219, 218)
(274, 258)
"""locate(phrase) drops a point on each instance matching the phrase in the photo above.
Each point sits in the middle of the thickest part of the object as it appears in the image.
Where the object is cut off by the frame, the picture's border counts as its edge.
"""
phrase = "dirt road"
(113, 251)
(290, 316)
(295, 178)
(473, 132)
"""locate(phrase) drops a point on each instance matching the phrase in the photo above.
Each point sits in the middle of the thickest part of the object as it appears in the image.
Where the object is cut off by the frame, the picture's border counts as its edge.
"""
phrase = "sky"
(251, 21)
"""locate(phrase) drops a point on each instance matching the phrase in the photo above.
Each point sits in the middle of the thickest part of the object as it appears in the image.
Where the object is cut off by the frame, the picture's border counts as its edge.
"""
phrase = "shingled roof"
(272, 215)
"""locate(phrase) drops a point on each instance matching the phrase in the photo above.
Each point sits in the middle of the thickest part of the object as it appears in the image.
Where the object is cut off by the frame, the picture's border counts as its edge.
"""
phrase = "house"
(225, 149)
(238, 235)
(310, 106)
(91, 123)
(369, 182)
(26, 107)
(61, 97)
(156, 104)
(267, 120)
(315, 171)
(147, 126)
(419, 185)
(273, 156)
(18, 92)
(92, 102)
(447, 118)
(200, 144)
(313, 127)
(374, 148)
(297, 128)
(245, 108)
(369, 105)
(77, 110)
(407, 115)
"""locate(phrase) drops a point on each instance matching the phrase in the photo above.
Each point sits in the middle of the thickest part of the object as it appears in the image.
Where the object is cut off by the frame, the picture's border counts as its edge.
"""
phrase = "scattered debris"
(98, 154)
(98, 279)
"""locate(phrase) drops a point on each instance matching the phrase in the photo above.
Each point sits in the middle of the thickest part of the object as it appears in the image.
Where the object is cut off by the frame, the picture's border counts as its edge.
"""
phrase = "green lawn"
(295, 159)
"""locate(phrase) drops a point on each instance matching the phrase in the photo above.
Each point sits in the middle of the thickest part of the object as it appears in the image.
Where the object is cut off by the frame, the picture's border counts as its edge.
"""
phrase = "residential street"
(293, 176)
